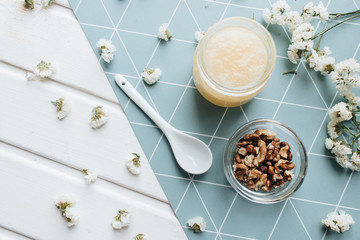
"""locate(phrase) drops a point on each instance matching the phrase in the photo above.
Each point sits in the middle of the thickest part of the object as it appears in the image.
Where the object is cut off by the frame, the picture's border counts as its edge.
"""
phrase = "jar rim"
(249, 24)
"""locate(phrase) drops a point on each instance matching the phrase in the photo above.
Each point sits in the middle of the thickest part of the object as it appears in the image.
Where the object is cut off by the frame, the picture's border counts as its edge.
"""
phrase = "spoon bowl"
(192, 155)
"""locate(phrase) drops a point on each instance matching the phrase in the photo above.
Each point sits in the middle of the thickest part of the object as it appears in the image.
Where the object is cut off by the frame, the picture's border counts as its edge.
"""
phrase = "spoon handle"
(142, 103)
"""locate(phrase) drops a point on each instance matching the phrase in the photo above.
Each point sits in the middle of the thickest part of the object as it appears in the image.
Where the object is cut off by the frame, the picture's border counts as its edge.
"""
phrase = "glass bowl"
(298, 151)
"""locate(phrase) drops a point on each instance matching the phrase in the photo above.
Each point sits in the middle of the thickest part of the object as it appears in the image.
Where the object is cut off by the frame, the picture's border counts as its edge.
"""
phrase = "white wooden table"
(42, 157)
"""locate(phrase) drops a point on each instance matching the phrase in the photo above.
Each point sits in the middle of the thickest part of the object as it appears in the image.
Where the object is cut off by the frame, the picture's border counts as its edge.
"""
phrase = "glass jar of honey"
(233, 62)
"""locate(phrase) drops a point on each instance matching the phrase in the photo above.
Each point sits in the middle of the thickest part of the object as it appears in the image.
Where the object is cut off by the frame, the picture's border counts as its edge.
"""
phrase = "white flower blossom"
(107, 49)
(122, 219)
(38, 4)
(276, 15)
(303, 33)
(294, 53)
(198, 224)
(134, 165)
(41, 71)
(333, 130)
(62, 107)
(347, 73)
(199, 35)
(152, 75)
(343, 161)
(355, 162)
(340, 112)
(164, 32)
(322, 12)
(329, 143)
(293, 20)
(64, 204)
(140, 236)
(89, 177)
(340, 149)
(308, 12)
(321, 62)
(338, 221)
(71, 216)
(99, 117)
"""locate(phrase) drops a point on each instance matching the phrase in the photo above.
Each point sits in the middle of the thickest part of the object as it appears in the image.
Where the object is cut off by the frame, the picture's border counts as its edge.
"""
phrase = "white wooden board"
(42, 157)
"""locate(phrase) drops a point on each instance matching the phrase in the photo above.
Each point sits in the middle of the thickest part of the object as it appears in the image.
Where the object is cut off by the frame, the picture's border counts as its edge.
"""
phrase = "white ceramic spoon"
(192, 155)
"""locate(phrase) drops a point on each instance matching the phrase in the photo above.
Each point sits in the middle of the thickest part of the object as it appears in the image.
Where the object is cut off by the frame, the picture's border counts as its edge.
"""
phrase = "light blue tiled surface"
(300, 101)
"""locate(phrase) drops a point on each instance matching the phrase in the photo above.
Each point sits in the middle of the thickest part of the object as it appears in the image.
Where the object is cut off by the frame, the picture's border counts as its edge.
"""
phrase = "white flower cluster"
(122, 219)
(339, 222)
(198, 224)
(107, 49)
(321, 62)
(339, 113)
(152, 75)
(303, 31)
(99, 117)
(134, 165)
(62, 107)
(199, 35)
(140, 236)
(346, 75)
(64, 204)
(38, 4)
(41, 71)
(89, 177)
(164, 32)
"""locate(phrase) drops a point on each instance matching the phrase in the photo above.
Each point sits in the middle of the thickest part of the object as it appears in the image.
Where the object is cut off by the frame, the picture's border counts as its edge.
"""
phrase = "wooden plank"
(29, 184)
(29, 121)
(53, 35)
(6, 234)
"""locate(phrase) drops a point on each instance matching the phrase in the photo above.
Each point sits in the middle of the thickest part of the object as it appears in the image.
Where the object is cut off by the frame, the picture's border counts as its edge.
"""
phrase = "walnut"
(254, 174)
(261, 182)
(251, 137)
(264, 168)
(262, 153)
(251, 149)
(288, 175)
(267, 187)
(238, 158)
(285, 164)
(273, 150)
(284, 150)
(243, 143)
(242, 151)
(278, 184)
(267, 134)
(262, 161)
(250, 184)
(276, 177)
(249, 160)
(240, 171)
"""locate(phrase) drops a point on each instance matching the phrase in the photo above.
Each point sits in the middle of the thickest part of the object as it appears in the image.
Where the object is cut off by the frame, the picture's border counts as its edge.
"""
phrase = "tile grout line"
(234, 4)
(206, 209)
(302, 223)
(283, 97)
(77, 7)
(243, 112)
(356, 5)
(192, 15)
(153, 53)
(340, 199)
(227, 214)
(316, 88)
(218, 126)
(278, 219)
